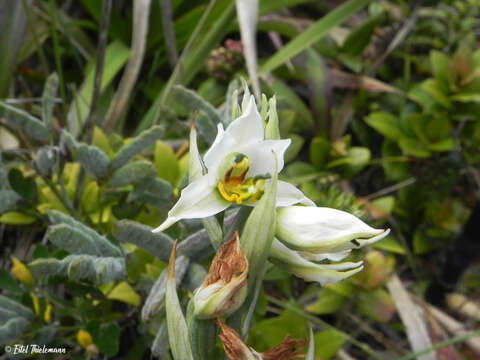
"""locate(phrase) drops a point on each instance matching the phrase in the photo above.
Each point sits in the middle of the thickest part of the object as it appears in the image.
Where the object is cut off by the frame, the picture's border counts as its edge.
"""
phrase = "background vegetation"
(380, 98)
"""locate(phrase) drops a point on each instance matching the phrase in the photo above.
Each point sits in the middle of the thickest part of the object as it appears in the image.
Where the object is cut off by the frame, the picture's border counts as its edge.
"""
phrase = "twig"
(102, 45)
(390, 189)
(169, 32)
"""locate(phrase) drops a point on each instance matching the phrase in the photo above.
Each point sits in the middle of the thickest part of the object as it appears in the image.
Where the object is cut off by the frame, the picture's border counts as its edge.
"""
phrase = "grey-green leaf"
(8, 200)
(194, 102)
(12, 329)
(99, 270)
(132, 173)
(106, 248)
(45, 160)
(134, 147)
(153, 191)
(21, 120)
(94, 160)
(48, 100)
(11, 305)
(158, 244)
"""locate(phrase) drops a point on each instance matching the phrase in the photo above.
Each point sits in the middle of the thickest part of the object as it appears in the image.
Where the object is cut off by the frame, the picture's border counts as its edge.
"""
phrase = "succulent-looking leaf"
(94, 160)
(136, 145)
(99, 270)
(21, 120)
(106, 248)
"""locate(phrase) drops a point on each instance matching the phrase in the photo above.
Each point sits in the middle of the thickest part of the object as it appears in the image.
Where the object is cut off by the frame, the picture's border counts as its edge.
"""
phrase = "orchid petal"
(248, 128)
(198, 200)
(321, 273)
(288, 194)
(260, 156)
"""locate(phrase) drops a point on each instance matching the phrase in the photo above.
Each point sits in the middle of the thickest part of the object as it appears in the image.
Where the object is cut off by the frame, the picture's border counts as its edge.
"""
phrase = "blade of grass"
(313, 34)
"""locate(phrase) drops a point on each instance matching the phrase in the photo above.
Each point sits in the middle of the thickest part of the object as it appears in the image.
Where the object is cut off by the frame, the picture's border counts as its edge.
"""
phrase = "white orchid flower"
(324, 233)
(238, 165)
(293, 262)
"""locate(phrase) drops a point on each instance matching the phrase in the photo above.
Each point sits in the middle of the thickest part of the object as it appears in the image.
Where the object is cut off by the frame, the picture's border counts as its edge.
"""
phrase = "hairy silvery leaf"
(136, 145)
(155, 301)
(48, 100)
(194, 102)
(12, 329)
(45, 160)
(72, 240)
(106, 248)
(8, 200)
(68, 140)
(157, 244)
(206, 126)
(99, 270)
(154, 191)
(15, 307)
(132, 173)
(177, 327)
(94, 160)
(5, 315)
(194, 277)
(23, 121)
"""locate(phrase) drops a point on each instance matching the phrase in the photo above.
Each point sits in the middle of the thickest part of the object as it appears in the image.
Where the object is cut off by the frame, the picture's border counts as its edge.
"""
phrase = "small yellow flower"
(21, 272)
(47, 315)
(84, 339)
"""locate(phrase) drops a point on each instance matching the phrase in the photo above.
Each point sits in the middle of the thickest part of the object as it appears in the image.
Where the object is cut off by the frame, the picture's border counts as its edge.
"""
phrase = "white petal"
(198, 200)
(319, 229)
(321, 273)
(333, 256)
(262, 156)
(220, 148)
(195, 165)
(247, 128)
(288, 194)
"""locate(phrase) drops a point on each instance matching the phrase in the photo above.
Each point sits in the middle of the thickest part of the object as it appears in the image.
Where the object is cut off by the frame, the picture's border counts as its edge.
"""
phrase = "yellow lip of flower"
(235, 188)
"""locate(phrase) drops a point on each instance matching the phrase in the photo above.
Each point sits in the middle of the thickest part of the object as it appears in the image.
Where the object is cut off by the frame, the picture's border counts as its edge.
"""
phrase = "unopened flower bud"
(225, 287)
(323, 230)
(84, 339)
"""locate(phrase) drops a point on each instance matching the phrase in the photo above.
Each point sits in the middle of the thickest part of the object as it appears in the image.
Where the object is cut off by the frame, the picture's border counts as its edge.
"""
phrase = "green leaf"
(106, 248)
(124, 292)
(442, 145)
(24, 186)
(376, 304)
(16, 218)
(166, 163)
(45, 160)
(327, 343)
(441, 67)
(8, 200)
(390, 244)
(386, 124)
(8, 283)
(116, 55)
(414, 147)
(359, 38)
(319, 152)
(108, 341)
(48, 100)
(136, 145)
(158, 244)
(177, 326)
(23, 121)
(202, 335)
(314, 33)
(465, 97)
(94, 160)
(133, 172)
(433, 88)
(99, 270)
(328, 302)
